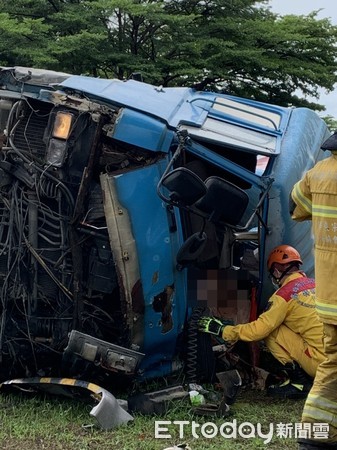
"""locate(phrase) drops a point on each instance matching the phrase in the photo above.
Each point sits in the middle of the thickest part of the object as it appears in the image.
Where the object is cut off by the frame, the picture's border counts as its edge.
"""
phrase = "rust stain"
(163, 303)
(155, 277)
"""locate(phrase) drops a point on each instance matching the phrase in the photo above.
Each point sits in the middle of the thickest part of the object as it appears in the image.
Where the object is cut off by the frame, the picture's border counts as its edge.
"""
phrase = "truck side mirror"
(224, 202)
(184, 186)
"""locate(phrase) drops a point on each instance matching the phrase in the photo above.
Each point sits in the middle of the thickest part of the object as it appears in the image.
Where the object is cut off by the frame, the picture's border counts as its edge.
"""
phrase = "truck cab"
(126, 207)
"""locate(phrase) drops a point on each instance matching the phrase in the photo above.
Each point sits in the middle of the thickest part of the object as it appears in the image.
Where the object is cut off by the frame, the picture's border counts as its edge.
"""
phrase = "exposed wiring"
(66, 292)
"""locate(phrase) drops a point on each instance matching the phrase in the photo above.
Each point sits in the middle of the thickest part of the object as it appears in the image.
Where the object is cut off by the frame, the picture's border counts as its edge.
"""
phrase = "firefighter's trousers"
(287, 346)
(321, 404)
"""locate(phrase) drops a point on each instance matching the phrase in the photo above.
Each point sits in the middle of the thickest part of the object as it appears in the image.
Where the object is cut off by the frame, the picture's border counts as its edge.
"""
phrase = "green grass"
(47, 422)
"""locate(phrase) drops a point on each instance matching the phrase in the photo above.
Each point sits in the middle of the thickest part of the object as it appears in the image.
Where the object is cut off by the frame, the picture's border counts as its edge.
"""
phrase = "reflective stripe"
(319, 415)
(322, 402)
(320, 409)
(45, 380)
(326, 309)
(301, 199)
(324, 211)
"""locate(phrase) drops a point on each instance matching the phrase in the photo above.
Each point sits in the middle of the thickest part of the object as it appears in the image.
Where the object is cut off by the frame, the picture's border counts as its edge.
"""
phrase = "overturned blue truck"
(125, 208)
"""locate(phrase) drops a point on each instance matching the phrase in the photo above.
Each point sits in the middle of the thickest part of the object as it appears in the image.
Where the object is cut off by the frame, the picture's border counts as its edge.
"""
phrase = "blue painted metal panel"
(251, 109)
(156, 248)
(142, 130)
(158, 102)
(171, 105)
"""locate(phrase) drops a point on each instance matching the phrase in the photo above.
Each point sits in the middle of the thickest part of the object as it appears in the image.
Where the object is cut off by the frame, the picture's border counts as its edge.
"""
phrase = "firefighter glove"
(212, 325)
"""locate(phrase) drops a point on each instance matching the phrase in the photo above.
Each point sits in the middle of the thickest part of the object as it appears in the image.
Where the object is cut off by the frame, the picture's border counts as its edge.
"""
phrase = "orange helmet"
(283, 254)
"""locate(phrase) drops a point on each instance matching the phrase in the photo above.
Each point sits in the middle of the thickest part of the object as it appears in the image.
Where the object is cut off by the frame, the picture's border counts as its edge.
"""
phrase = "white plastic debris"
(196, 398)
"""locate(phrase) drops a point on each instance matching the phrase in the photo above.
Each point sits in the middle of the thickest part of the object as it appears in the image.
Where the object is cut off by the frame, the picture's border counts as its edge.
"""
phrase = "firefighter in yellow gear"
(315, 198)
(289, 326)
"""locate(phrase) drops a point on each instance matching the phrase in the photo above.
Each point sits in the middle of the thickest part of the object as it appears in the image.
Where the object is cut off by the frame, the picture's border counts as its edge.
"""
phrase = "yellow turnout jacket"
(315, 197)
(292, 305)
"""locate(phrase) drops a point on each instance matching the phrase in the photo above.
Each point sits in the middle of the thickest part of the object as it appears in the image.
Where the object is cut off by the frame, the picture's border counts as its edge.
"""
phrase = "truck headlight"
(57, 147)
(62, 125)
(56, 152)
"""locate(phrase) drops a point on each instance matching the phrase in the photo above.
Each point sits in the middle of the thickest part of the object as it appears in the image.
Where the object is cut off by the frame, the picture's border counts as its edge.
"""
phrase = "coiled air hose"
(200, 361)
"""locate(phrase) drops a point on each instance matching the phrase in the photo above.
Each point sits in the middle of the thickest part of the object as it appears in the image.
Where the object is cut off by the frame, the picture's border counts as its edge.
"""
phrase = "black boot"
(307, 444)
(297, 385)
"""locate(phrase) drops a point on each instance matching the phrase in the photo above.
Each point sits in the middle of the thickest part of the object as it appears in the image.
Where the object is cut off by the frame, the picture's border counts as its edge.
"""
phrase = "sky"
(303, 7)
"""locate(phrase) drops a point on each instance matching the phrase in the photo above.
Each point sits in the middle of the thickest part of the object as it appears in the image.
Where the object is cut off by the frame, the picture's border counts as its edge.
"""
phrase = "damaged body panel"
(121, 204)
(107, 412)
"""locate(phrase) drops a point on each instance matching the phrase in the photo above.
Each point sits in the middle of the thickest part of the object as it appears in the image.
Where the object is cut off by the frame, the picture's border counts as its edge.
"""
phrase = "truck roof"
(176, 105)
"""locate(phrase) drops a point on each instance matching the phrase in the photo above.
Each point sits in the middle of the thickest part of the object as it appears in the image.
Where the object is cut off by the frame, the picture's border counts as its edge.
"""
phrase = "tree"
(238, 46)
(331, 122)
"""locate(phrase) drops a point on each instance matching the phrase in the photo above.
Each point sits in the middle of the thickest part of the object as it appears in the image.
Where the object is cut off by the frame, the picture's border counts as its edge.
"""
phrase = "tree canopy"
(239, 47)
